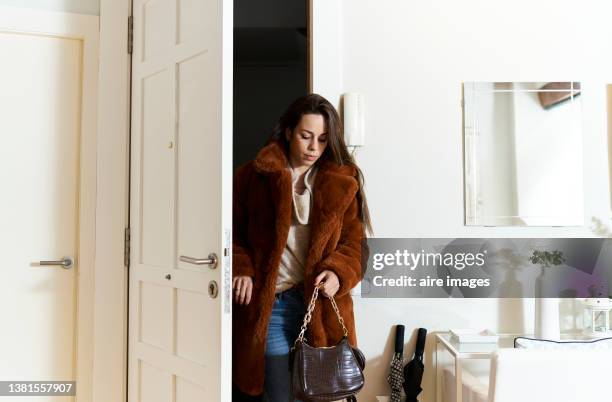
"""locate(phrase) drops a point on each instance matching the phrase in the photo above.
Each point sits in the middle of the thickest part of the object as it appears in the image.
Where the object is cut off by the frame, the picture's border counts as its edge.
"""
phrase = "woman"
(299, 219)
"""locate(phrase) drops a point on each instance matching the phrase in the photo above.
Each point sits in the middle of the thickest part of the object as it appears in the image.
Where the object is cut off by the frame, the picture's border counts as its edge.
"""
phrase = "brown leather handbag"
(326, 373)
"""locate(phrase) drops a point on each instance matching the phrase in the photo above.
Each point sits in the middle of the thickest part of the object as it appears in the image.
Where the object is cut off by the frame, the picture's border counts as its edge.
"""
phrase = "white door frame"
(85, 29)
(109, 365)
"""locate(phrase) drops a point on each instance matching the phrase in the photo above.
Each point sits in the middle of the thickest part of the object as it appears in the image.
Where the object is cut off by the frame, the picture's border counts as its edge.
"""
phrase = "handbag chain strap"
(308, 315)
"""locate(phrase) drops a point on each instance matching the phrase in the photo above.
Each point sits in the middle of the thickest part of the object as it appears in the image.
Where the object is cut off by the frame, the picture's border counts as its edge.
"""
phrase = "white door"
(46, 214)
(180, 208)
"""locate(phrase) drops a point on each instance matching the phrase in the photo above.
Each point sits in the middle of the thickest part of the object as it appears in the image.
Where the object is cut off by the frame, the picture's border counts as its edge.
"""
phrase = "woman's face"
(308, 140)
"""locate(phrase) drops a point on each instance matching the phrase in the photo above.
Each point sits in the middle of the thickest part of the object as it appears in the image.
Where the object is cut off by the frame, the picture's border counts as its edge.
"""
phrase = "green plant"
(547, 258)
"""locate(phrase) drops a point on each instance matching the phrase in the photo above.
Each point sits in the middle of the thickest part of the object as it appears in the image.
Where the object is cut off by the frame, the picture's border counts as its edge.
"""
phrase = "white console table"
(466, 351)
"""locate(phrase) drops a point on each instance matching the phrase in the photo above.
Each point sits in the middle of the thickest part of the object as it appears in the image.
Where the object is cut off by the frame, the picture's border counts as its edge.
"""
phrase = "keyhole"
(168, 277)
(213, 289)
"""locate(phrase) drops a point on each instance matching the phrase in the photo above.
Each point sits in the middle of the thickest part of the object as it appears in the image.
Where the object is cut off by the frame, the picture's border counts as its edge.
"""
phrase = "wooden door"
(180, 209)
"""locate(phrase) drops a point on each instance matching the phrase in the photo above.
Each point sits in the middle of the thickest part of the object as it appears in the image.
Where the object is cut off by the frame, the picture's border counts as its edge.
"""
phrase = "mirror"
(522, 154)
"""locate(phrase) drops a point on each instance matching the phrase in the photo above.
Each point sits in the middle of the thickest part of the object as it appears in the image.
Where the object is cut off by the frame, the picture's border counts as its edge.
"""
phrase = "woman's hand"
(331, 283)
(243, 288)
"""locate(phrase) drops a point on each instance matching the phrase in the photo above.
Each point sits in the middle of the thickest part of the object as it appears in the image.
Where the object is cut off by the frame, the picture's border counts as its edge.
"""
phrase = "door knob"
(211, 261)
(65, 263)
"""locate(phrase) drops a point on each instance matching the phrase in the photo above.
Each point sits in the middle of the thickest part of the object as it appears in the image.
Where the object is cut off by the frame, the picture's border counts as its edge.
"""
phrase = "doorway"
(271, 67)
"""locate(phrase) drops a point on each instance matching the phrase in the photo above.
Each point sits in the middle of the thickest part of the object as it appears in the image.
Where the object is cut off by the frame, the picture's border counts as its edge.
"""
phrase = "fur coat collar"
(335, 184)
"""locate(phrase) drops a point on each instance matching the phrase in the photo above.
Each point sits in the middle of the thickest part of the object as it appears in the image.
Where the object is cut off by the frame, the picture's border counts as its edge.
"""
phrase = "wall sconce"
(354, 128)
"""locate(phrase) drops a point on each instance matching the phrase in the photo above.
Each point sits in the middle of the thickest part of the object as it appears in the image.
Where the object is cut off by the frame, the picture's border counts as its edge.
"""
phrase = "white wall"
(409, 59)
(71, 6)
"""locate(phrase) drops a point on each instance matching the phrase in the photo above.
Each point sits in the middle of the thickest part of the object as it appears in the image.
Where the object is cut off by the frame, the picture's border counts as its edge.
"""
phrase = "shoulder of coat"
(335, 168)
(244, 169)
(271, 158)
(244, 174)
(336, 186)
(343, 175)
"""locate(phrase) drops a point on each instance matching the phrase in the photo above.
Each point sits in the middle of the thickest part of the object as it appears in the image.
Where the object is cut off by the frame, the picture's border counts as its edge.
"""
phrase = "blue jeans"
(284, 327)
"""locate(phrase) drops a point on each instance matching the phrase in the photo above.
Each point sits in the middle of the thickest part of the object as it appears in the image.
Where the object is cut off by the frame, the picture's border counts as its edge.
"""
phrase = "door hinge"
(130, 44)
(126, 247)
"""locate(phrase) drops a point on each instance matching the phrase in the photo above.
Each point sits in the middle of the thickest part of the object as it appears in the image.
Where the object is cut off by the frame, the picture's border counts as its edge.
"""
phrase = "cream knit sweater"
(291, 270)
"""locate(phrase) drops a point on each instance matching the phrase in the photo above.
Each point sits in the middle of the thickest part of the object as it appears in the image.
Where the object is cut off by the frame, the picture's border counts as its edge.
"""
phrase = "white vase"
(547, 318)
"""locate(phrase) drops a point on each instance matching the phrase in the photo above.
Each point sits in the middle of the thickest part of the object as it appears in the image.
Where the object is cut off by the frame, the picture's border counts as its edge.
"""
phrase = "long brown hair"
(336, 149)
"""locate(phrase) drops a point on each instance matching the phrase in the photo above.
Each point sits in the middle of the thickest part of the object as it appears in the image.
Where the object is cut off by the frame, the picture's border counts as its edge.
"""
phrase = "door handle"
(65, 263)
(211, 261)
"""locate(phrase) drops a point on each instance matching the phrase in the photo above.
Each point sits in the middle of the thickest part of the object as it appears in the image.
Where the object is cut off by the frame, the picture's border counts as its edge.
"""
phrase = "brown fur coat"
(262, 216)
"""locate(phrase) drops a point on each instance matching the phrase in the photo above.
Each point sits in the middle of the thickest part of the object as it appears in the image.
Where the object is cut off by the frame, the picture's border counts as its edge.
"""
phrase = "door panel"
(199, 145)
(40, 77)
(157, 169)
(179, 333)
